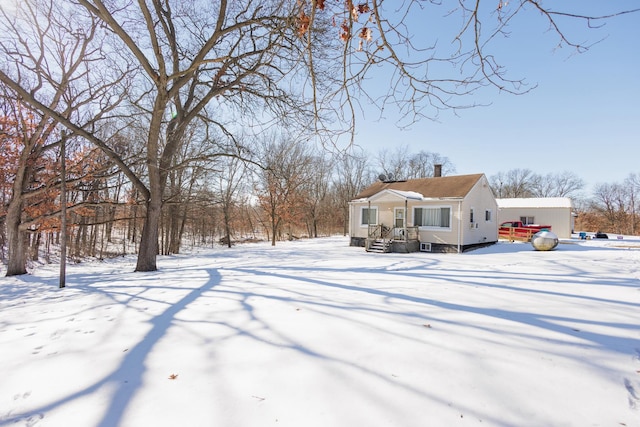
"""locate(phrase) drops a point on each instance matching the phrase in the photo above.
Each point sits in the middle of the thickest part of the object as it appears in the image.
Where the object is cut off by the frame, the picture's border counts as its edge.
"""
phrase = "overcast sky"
(583, 117)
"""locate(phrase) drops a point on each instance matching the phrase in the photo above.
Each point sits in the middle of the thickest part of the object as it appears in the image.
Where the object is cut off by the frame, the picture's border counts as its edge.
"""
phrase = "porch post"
(368, 218)
(406, 217)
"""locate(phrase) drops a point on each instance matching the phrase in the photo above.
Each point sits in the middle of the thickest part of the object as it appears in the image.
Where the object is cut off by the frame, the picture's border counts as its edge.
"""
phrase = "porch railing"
(379, 231)
(403, 234)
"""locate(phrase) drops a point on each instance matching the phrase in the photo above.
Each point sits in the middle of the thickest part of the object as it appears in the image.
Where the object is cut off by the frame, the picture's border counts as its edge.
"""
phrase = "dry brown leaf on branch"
(365, 34)
(303, 23)
(345, 32)
(364, 8)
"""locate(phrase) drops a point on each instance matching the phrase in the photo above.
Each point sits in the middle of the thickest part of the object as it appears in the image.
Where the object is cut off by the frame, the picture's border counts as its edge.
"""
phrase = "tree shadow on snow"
(126, 380)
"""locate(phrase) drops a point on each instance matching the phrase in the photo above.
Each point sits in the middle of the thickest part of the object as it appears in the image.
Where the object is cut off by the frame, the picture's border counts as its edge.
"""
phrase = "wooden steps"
(380, 246)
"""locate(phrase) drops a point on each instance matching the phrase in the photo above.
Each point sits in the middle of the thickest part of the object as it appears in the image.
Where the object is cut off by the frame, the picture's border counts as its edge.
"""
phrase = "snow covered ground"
(317, 333)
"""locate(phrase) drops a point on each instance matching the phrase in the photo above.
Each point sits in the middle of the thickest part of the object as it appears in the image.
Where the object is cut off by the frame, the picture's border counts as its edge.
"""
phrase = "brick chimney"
(437, 170)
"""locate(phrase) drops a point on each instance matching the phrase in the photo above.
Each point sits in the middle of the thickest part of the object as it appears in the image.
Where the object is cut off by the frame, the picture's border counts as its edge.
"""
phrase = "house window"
(368, 216)
(471, 215)
(487, 215)
(526, 220)
(437, 217)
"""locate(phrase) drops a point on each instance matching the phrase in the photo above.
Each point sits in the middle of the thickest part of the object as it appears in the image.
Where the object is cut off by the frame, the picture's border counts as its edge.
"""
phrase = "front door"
(398, 222)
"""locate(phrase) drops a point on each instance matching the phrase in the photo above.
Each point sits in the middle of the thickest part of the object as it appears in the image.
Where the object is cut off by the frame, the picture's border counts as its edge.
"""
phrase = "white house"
(440, 214)
(554, 211)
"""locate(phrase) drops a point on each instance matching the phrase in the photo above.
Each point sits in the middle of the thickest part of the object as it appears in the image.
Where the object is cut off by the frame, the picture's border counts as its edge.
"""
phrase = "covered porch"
(383, 223)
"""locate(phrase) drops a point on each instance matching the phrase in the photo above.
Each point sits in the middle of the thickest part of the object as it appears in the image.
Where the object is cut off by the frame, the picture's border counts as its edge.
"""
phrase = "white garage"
(554, 211)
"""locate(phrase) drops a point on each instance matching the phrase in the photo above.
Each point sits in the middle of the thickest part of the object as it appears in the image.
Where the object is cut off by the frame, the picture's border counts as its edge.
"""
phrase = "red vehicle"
(516, 230)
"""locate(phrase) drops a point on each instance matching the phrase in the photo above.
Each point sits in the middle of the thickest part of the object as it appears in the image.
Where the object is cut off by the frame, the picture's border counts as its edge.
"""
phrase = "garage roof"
(537, 202)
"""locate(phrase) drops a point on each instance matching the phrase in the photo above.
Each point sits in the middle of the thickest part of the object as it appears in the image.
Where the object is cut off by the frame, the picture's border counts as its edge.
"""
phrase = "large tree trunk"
(17, 262)
(149, 239)
(17, 238)
(157, 168)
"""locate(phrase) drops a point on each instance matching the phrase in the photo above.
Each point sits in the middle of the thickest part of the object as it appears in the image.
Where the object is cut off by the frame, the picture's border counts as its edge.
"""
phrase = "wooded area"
(295, 192)
(197, 122)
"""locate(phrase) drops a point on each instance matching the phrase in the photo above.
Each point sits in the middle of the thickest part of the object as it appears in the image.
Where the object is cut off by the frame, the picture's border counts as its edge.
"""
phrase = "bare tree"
(192, 55)
(401, 164)
(515, 183)
(193, 59)
(611, 208)
(632, 184)
(351, 177)
(609, 201)
(563, 184)
(380, 35)
(54, 64)
(423, 165)
(230, 182)
(287, 165)
(394, 163)
(316, 191)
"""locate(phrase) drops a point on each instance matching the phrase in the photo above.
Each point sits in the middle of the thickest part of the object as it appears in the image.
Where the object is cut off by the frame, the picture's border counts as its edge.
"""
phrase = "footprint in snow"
(634, 398)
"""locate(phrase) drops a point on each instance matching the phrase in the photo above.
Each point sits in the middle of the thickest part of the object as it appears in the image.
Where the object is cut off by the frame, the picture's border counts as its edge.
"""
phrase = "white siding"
(480, 199)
